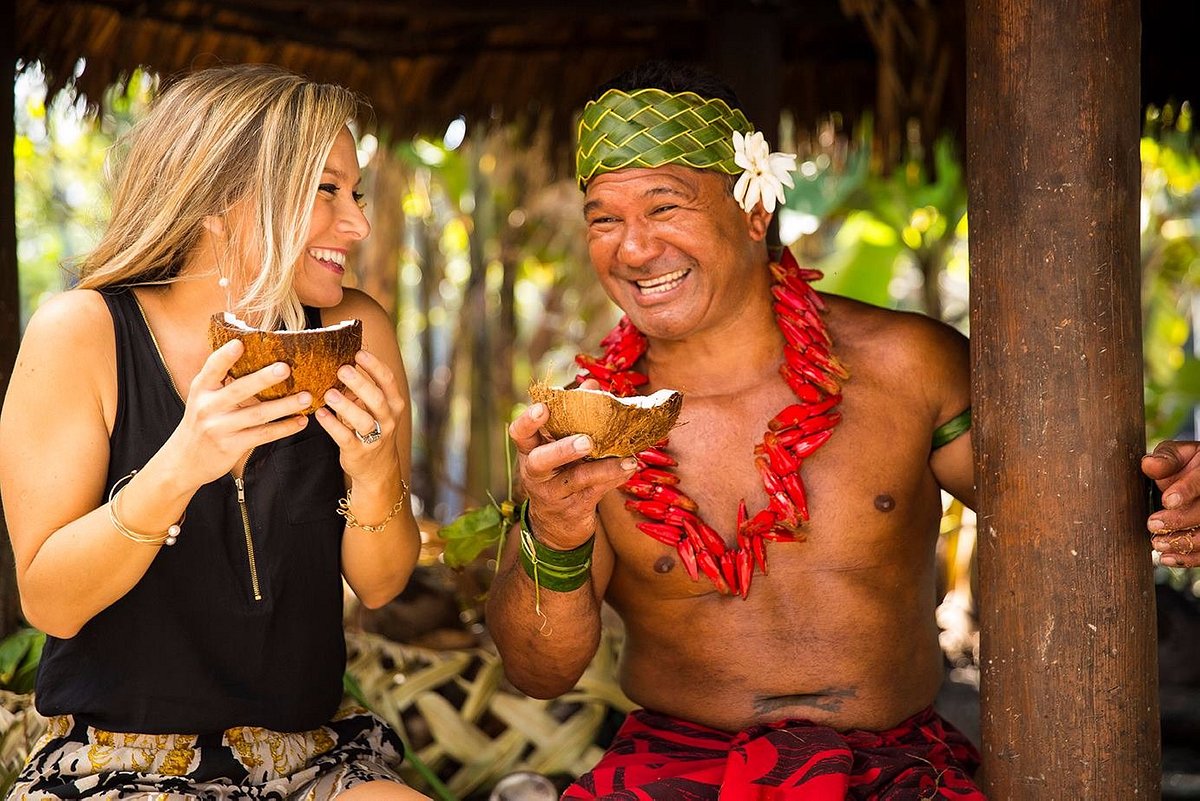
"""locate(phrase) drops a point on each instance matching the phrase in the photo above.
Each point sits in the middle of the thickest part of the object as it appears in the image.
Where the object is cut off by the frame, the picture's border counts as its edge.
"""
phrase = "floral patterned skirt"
(73, 760)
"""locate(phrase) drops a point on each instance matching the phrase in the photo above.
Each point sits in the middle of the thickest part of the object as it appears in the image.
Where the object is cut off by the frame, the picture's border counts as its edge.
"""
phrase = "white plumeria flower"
(766, 173)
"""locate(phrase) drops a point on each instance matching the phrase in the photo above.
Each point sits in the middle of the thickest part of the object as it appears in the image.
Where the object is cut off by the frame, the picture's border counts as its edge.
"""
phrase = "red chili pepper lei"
(814, 375)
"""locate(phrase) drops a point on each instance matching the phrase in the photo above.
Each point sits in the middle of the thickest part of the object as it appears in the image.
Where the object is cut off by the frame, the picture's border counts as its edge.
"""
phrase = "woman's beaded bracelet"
(168, 537)
(353, 522)
(558, 571)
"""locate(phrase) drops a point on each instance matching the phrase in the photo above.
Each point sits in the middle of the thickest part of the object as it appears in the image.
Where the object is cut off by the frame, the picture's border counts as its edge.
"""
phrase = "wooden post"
(1069, 695)
(10, 294)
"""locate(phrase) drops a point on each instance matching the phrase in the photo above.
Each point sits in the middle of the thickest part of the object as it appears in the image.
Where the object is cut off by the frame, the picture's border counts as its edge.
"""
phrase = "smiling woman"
(161, 518)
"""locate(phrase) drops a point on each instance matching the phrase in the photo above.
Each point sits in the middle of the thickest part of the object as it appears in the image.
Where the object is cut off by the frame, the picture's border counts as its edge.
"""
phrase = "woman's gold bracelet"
(168, 537)
(353, 522)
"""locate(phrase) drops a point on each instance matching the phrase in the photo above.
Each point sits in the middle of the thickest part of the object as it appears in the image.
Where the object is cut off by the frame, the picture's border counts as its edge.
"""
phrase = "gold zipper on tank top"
(238, 483)
(241, 494)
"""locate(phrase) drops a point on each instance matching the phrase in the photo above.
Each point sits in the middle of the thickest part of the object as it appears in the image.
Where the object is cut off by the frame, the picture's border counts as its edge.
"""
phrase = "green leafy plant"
(20, 653)
(477, 529)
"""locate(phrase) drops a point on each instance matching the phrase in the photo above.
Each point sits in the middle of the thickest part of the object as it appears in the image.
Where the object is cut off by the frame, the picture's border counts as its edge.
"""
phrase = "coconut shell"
(313, 354)
(617, 426)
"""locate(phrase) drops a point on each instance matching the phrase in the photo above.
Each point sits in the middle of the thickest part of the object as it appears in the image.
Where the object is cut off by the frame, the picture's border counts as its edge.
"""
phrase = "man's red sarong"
(659, 757)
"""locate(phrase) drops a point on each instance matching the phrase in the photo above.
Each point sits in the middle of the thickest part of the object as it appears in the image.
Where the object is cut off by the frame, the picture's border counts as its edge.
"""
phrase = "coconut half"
(314, 354)
(617, 426)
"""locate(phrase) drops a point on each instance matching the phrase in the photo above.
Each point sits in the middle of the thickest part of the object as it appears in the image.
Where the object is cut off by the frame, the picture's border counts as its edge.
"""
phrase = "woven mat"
(20, 728)
(462, 719)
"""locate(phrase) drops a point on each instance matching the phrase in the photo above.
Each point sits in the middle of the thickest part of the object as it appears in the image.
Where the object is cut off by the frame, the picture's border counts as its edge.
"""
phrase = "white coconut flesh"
(232, 320)
(637, 401)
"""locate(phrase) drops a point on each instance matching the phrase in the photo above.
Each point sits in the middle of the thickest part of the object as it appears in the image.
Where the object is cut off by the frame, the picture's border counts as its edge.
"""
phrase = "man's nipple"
(664, 564)
(885, 502)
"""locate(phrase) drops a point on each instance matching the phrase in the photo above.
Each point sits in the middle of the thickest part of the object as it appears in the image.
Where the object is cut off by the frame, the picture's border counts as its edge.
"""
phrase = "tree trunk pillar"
(1069, 687)
(10, 293)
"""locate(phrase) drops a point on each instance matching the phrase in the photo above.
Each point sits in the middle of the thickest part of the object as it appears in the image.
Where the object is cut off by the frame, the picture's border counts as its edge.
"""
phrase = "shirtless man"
(823, 676)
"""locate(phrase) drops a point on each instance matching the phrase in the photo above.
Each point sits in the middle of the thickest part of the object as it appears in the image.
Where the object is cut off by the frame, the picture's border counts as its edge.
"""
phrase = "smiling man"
(773, 563)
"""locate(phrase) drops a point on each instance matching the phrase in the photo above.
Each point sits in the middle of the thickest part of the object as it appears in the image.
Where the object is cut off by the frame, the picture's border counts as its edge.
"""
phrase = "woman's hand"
(222, 420)
(365, 424)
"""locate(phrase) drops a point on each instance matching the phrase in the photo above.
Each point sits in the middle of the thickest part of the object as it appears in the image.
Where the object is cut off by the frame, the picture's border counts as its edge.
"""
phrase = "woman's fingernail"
(279, 368)
(583, 444)
(346, 373)
(537, 410)
(1171, 500)
(303, 399)
(629, 463)
(333, 396)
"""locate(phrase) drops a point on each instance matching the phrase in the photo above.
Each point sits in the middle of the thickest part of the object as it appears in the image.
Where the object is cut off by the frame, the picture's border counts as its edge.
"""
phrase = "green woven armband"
(559, 571)
(952, 429)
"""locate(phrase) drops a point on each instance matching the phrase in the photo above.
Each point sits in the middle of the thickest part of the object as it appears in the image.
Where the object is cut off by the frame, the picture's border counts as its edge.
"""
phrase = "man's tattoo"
(827, 700)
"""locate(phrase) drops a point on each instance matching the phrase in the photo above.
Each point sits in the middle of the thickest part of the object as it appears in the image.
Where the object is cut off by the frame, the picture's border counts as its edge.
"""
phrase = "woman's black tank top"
(240, 622)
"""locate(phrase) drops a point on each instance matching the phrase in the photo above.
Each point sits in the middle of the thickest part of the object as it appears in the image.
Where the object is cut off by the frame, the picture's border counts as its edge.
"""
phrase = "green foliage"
(863, 259)
(923, 208)
(20, 653)
(476, 530)
(59, 155)
(1171, 269)
(472, 532)
(869, 231)
(892, 240)
(494, 292)
(824, 187)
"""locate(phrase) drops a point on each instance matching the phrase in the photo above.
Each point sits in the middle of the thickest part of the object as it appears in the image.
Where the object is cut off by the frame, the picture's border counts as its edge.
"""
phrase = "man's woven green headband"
(650, 128)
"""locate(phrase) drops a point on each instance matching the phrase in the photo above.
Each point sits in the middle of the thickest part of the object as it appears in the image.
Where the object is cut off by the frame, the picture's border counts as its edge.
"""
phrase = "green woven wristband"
(952, 429)
(559, 571)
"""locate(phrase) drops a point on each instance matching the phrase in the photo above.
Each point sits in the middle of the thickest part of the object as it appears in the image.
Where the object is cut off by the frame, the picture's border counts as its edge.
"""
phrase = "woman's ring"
(371, 436)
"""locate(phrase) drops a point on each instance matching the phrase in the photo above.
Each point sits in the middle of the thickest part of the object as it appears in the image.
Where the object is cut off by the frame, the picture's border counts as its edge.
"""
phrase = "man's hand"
(563, 491)
(1175, 530)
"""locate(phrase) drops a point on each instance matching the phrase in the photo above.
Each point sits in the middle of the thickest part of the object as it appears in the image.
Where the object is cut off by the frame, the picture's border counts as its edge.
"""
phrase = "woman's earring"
(217, 227)
(223, 283)
(222, 280)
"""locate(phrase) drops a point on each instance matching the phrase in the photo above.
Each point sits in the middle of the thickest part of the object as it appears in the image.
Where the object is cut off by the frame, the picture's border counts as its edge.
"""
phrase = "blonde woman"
(178, 541)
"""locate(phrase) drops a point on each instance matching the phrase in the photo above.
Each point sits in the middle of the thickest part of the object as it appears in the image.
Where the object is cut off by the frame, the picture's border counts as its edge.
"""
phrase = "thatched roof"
(423, 63)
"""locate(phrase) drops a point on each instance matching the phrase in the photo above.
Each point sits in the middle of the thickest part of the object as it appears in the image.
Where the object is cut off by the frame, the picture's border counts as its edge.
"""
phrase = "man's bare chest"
(868, 486)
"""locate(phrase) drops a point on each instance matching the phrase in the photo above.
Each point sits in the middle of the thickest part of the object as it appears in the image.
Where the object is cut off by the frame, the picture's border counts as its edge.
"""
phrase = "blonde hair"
(251, 133)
